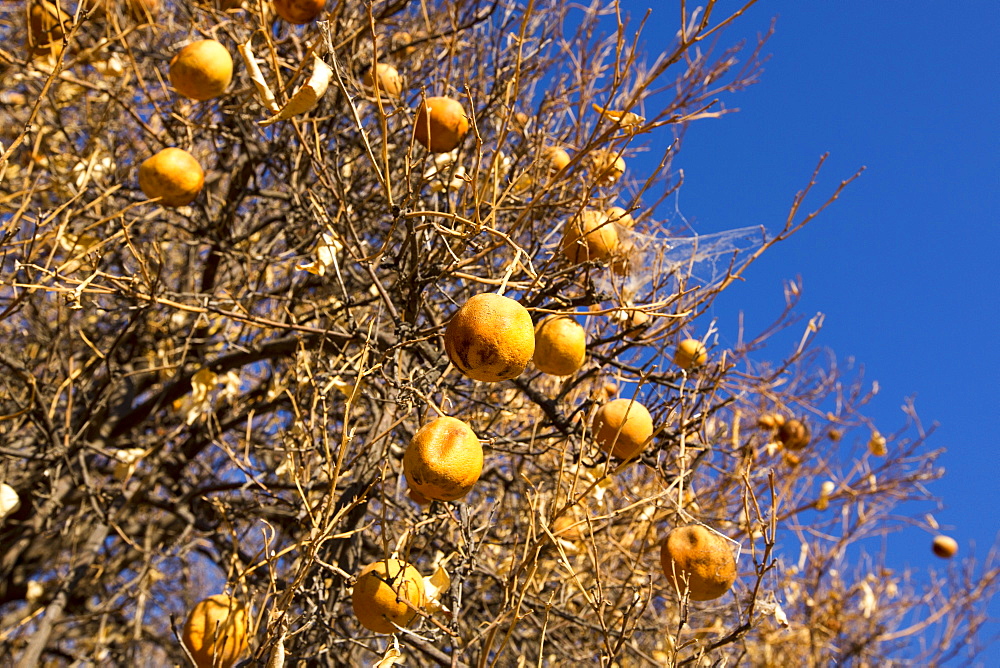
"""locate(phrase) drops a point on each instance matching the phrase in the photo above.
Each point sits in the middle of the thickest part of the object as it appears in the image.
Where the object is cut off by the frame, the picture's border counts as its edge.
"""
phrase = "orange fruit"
(794, 434)
(698, 561)
(689, 354)
(621, 217)
(173, 175)
(143, 10)
(441, 124)
(299, 12)
(945, 547)
(589, 235)
(201, 70)
(560, 345)
(557, 158)
(381, 594)
(490, 338)
(622, 427)
(443, 460)
(216, 631)
(606, 166)
(388, 79)
(400, 43)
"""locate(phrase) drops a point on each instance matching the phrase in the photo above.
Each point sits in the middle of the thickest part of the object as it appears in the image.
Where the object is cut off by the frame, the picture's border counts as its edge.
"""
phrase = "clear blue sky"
(904, 264)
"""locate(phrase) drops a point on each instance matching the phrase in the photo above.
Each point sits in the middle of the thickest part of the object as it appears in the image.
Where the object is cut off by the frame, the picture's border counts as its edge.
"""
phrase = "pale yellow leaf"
(306, 97)
(257, 77)
(624, 118)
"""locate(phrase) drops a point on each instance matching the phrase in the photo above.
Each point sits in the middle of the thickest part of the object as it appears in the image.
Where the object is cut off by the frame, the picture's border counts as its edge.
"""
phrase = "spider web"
(658, 262)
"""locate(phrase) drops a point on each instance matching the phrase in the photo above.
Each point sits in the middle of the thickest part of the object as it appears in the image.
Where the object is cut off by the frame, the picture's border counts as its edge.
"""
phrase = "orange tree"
(213, 365)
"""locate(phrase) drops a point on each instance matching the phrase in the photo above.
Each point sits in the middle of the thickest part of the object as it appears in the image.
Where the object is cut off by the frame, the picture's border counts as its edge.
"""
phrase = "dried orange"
(560, 345)
(622, 427)
(698, 561)
(215, 632)
(201, 70)
(441, 124)
(794, 434)
(173, 175)
(443, 460)
(382, 594)
(490, 338)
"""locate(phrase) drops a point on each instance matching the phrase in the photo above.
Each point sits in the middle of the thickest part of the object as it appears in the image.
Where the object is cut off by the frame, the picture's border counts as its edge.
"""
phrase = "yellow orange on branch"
(441, 124)
(173, 176)
(216, 631)
(698, 561)
(385, 595)
(201, 70)
(491, 338)
(560, 345)
(299, 12)
(443, 460)
(623, 427)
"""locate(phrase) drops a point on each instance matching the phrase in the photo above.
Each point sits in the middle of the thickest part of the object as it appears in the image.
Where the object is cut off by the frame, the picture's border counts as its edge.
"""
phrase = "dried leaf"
(9, 500)
(626, 119)
(876, 444)
(128, 459)
(434, 586)
(253, 68)
(306, 97)
(196, 402)
(326, 254)
(391, 657)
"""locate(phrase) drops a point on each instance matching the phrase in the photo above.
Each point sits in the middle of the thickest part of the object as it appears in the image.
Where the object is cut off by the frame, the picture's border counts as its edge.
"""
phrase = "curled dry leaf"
(391, 657)
(326, 254)
(306, 97)
(253, 68)
(9, 500)
(434, 586)
(626, 119)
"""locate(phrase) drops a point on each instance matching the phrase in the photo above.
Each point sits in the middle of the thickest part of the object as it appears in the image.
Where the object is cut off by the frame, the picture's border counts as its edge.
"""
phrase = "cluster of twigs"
(217, 397)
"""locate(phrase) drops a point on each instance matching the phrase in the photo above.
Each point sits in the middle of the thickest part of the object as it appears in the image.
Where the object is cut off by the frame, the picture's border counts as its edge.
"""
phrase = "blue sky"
(903, 266)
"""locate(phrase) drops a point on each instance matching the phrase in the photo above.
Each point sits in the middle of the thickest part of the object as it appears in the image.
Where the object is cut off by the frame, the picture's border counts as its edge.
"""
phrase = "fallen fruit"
(560, 345)
(490, 338)
(945, 547)
(215, 632)
(382, 592)
(698, 561)
(201, 70)
(690, 353)
(173, 175)
(444, 460)
(622, 427)
(441, 124)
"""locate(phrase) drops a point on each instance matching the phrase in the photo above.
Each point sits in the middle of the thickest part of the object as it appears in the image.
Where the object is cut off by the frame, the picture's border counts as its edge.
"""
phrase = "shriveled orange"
(622, 427)
(387, 79)
(560, 345)
(589, 235)
(698, 561)
(490, 338)
(689, 354)
(794, 434)
(201, 70)
(216, 630)
(443, 460)
(441, 124)
(382, 592)
(173, 175)
(299, 12)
